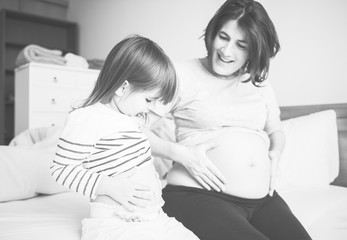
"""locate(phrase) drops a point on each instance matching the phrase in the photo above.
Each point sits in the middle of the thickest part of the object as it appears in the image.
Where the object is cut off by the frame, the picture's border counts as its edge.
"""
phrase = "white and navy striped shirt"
(98, 141)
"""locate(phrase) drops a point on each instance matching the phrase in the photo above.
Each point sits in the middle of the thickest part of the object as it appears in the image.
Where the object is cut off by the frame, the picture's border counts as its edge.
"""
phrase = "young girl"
(103, 154)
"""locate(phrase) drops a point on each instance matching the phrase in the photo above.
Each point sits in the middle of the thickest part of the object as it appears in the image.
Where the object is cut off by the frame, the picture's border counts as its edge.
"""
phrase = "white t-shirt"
(206, 103)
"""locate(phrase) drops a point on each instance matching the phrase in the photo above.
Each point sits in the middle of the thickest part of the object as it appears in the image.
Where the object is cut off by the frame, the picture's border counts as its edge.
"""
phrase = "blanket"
(35, 53)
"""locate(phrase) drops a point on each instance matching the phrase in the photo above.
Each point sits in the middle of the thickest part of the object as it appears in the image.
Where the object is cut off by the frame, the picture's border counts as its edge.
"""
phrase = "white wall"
(309, 69)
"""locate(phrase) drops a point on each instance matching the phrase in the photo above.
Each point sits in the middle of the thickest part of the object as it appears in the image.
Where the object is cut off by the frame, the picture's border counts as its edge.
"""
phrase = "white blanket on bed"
(322, 210)
(50, 217)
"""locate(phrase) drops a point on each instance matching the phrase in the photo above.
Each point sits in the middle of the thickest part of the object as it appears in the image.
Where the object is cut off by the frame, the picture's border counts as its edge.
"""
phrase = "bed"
(313, 178)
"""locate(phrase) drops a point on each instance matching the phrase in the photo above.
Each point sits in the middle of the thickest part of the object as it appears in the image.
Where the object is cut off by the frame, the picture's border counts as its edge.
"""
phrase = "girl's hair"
(142, 63)
(259, 30)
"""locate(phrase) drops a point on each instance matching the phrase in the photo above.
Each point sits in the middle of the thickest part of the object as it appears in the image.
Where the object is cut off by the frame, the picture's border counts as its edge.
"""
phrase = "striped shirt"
(98, 141)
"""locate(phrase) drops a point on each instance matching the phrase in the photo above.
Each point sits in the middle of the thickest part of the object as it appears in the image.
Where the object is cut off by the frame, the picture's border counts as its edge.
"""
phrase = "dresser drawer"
(47, 119)
(45, 93)
(51, 99)
(52, 77)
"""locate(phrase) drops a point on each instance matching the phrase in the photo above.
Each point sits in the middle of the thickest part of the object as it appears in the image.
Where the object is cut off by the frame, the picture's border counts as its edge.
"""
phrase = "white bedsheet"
(323, 212)
(50, 217)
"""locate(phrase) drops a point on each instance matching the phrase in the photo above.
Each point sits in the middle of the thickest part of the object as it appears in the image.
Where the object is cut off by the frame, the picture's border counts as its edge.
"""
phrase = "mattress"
(44, 217)
(322, 210)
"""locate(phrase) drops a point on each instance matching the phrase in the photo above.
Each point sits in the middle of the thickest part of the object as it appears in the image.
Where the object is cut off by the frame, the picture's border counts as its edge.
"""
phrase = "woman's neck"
(207, 65)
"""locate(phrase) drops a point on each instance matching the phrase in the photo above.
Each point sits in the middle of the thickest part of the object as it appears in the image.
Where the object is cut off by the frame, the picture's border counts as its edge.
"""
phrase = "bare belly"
(144, 175)
(241, 156)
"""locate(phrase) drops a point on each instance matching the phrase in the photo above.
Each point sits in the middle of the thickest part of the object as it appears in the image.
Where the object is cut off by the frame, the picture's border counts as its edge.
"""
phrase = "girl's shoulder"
(85, 113)
(102, 120)
(97, 114)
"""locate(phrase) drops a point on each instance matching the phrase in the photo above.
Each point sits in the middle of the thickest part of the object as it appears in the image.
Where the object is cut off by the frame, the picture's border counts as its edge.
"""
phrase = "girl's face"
(229, 50)
(133, 103)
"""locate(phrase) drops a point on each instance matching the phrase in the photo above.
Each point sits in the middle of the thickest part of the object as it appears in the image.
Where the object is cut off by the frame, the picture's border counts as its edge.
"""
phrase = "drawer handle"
(53, 101)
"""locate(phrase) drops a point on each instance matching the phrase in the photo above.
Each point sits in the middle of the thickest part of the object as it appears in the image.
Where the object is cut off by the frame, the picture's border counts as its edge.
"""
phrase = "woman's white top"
(205, 103)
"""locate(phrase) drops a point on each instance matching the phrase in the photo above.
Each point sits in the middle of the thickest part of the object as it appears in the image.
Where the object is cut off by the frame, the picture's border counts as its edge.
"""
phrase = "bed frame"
(341, 112)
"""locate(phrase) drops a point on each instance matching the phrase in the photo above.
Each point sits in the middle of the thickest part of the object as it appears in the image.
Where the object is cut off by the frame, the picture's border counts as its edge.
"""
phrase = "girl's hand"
(202, 169)
(274, 158)
(126, 192)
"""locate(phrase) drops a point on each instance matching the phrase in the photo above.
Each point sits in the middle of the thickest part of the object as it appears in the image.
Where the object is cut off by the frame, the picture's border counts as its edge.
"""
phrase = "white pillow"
(310, 156)
(24, 173)
(24, 165)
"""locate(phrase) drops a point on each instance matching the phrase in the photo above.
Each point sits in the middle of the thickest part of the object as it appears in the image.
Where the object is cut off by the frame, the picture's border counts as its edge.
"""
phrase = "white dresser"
(45, 93)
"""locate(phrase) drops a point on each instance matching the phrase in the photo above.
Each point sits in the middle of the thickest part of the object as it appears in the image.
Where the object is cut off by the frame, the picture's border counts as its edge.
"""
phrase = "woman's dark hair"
(142, 63)
(259, 30)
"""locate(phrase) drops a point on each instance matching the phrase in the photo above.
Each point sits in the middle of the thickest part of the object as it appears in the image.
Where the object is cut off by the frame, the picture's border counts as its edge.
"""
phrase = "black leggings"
(218, 216)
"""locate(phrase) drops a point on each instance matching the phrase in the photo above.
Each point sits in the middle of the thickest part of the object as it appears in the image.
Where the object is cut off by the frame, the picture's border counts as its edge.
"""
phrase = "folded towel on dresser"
(35, 53)
(73, 60)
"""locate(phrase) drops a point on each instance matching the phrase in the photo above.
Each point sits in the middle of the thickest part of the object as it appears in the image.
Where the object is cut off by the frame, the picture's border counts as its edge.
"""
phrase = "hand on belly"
(145, 176)
(242, 157)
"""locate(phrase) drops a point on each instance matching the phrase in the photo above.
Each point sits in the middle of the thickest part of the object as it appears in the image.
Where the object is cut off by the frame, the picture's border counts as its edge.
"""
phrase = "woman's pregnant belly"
(240, 155)
(146, 176)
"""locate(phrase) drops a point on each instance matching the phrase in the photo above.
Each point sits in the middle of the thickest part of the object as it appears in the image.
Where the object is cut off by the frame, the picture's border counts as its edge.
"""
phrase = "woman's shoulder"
(260, 87)
(187, 64)
(266, 87)
(189, 72)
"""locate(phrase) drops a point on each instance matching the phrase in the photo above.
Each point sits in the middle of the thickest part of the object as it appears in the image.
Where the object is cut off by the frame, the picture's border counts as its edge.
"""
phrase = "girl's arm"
(73, 149)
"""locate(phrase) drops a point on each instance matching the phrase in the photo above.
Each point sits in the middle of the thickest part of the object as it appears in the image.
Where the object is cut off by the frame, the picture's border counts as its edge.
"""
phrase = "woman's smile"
(224, 59)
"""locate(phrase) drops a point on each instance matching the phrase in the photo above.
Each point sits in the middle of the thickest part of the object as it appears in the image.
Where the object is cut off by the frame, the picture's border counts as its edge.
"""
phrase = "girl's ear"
(120, 91)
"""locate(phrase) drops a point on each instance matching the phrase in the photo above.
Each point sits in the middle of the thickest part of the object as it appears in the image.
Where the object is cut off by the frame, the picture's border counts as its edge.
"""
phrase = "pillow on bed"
(24, 173)
(310, 156)
(24, 165)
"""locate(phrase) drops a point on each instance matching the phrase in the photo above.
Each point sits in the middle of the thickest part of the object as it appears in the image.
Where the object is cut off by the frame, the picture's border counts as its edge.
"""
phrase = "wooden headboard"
(341, 112)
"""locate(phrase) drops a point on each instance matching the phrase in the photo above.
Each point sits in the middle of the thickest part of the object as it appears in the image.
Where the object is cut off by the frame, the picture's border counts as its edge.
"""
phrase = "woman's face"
(229, 50)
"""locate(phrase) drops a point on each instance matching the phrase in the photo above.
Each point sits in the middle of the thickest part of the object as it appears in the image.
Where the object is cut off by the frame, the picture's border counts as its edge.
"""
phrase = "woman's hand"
(274, 158)
(126, 192)
(194, 159)
(201, 168)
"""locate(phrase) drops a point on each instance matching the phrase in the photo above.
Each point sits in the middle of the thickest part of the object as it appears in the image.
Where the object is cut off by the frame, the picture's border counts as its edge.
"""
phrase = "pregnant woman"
(228, 132)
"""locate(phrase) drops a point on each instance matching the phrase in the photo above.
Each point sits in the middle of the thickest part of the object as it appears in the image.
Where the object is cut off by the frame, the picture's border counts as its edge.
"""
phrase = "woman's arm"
(194, 159)
(277, 143)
